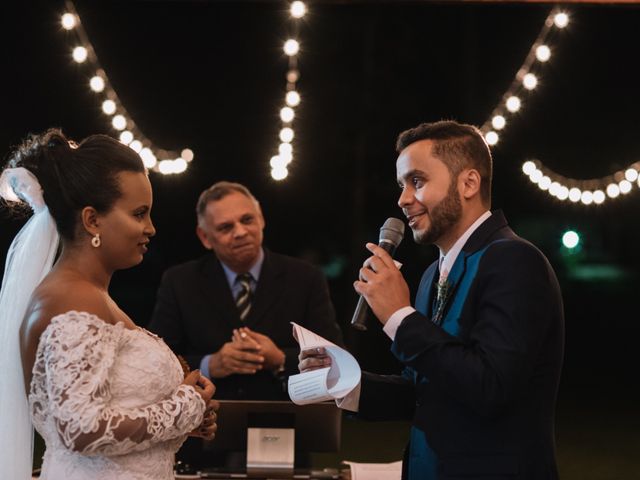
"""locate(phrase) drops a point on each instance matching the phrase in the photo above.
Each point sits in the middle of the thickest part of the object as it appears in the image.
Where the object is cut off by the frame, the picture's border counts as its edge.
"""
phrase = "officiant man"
(242, 285)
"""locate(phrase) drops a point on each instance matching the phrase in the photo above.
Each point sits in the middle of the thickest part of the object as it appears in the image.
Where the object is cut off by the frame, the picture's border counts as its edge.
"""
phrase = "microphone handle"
(359, 319)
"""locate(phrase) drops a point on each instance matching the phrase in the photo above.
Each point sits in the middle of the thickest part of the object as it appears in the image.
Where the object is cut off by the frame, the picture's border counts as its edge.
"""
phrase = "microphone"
(391, 234)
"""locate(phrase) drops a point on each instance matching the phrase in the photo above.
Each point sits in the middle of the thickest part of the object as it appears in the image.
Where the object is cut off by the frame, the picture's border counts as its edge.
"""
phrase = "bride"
(110, 399)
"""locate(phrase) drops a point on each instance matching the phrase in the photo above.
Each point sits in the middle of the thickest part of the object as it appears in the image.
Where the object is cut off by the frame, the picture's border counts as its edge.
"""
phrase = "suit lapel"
(426, 290)
(478, 239)
(216, 288)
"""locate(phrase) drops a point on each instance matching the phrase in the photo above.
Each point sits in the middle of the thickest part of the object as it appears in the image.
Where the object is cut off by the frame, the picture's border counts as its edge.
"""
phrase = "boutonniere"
(443, 292)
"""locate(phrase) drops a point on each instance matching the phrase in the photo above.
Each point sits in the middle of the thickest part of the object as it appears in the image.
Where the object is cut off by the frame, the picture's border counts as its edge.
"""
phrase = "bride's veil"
(29, 258)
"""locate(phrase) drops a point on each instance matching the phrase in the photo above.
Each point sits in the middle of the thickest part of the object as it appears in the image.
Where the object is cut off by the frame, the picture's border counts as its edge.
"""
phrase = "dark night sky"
(210, 75)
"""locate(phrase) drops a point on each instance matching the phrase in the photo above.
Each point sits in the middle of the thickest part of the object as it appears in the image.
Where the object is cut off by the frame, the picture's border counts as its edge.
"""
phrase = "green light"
(570, 239)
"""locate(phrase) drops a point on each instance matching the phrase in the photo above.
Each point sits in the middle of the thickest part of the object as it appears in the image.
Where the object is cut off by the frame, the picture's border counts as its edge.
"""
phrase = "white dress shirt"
(446, 263)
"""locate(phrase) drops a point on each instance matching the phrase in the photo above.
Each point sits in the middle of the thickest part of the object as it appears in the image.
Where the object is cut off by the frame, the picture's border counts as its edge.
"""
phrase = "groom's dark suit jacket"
(195, 314)
(480, 387)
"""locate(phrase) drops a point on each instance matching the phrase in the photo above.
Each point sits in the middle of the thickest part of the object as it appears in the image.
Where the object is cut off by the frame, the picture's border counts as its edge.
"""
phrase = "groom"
(483, 346)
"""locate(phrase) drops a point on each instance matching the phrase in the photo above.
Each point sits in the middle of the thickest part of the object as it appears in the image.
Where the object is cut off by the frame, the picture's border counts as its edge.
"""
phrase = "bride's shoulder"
(65, 299)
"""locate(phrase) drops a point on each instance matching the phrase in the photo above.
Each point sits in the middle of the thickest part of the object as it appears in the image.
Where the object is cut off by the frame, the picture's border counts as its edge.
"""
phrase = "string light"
(561, 19)
(79, 54)
(513, 104)
(279, 162)
(123, 124)
(136, 146)
(109, 107)
(527, 77)
(291, 47)
(543, 53)
(298, 9)
(530, 81)
(292, 98)
(68, 21)
(286, 135)
(96, 83)
(491, 137)
(593, 191)
(279, 173)
(187, 154)
(286, 114)
(126, 137)
(498, 122)
(119, 122)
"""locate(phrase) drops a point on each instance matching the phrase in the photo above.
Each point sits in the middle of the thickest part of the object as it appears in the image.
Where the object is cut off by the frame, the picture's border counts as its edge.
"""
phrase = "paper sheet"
(375, 471)
(327, 383)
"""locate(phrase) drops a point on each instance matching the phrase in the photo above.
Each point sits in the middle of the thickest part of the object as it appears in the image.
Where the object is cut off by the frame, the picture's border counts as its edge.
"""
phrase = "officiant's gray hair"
(218, 191)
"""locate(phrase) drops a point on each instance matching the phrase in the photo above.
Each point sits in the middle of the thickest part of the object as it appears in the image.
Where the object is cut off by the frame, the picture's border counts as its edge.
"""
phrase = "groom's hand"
(313, 359)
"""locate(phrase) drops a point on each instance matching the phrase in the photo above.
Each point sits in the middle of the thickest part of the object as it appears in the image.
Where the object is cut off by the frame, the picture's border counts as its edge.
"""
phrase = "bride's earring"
(95, 241)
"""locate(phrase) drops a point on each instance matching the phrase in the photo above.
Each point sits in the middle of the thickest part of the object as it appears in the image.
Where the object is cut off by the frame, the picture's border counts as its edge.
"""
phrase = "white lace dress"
(90, 377)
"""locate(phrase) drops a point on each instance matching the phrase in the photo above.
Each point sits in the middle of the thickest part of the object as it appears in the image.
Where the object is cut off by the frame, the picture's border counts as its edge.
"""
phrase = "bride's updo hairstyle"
(75, 176)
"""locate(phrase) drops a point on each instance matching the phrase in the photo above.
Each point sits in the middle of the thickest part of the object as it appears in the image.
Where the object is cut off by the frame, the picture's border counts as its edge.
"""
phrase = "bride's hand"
(202, 384)
(209, 426)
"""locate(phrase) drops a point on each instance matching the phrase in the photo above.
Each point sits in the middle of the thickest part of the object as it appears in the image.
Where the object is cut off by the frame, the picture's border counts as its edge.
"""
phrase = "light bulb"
(136, 146)
(291, 47)
(530, 81)
(126, 137)
(536, 175)
(286, 114)
(96, 83)
(563, 193)
(544, 183)
(587, 197)
(561, 20)
(187, 154)
(613, 190)
(286, 135)
(528, 167)
(513, 104)
(292, 98)
(599, 197)
(631, 174)
(179, 165)
(298, 9)
(279, 173)
(68, 21)
(293, 75)
(543, 53)
(285, 148)
(625, 186)
(109, 107)
(119, 122)
(498, 122)
(575, 194)
(554, 188)
(276, 162)
(79, 54)
(491, 137)
(166, 167)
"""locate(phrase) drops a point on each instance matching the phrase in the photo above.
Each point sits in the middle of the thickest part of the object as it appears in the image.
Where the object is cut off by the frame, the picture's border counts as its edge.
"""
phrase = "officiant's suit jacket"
(195, 314)
(480, 387)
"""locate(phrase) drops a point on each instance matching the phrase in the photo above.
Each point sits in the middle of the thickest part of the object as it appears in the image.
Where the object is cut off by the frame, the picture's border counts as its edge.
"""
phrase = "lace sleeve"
(76, 358)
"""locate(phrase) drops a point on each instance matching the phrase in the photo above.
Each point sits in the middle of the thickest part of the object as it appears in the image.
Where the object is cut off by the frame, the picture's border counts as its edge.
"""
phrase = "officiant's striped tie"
(243, 300)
